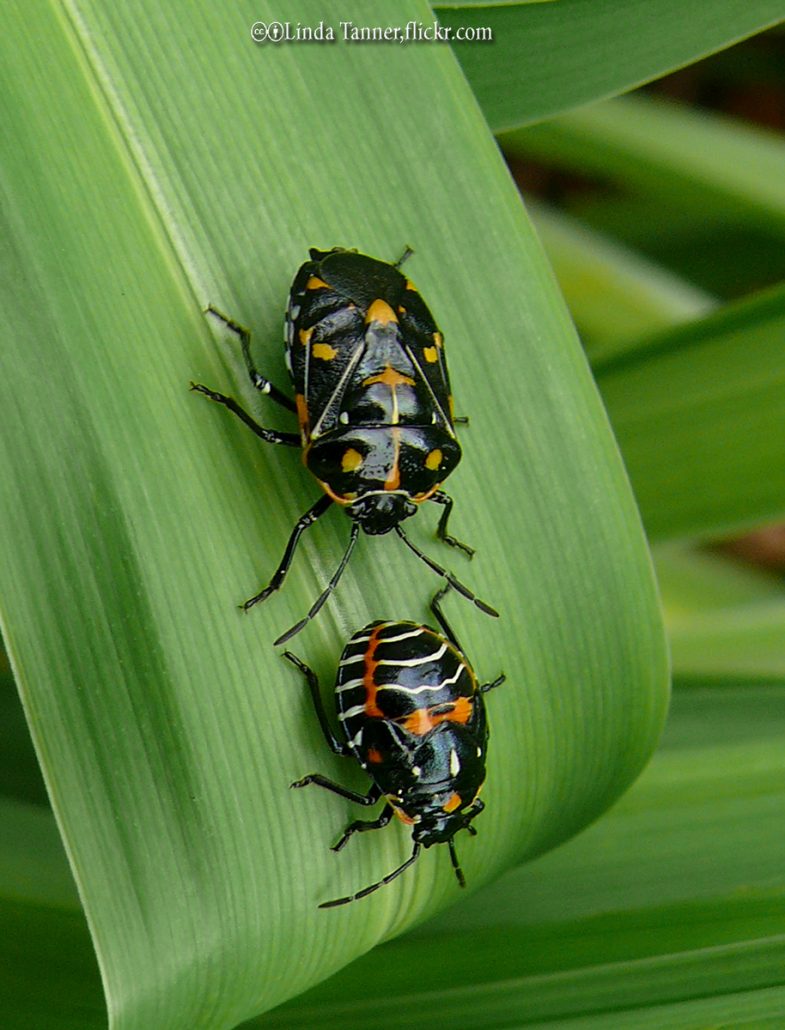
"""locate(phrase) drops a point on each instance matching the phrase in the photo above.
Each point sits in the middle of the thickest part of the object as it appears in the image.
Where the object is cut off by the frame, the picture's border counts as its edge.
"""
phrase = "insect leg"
(301, 525)
(268, 435)
(375, 886)
(262, 384)
(463, 590)
(485, 687)
(441, 530)
(333, 743)
(370, 798)
(363, 825)
(316, 606)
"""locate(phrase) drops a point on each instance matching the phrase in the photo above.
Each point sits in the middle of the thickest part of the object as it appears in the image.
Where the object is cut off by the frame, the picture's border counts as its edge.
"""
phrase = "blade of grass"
(547, 58)
(139, 188)
(684, 157)
(698, 412)
(613, 293)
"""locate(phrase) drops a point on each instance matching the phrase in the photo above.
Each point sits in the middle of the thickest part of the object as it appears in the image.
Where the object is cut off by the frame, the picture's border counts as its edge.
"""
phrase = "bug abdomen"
(404, 674)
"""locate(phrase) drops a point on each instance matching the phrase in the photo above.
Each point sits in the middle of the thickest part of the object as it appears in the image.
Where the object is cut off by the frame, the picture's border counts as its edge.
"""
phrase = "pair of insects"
(377, 430)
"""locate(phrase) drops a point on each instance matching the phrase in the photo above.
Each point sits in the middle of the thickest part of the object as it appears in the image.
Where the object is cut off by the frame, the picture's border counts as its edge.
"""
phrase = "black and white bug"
(373, 400)
(413, 716)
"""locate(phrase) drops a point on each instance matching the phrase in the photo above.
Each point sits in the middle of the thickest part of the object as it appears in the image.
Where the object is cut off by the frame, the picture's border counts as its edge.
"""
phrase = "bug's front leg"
(363, 825)
(370, 798)
(301, 525)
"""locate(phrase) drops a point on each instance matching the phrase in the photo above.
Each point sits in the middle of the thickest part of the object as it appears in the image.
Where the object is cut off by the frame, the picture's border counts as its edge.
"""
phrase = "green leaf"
(693, 581)
(42, 928)
(698, 413)
(683, 157)
(667, 912)
(136, 516)
(613, 293)
(547, 58)
(726, 620)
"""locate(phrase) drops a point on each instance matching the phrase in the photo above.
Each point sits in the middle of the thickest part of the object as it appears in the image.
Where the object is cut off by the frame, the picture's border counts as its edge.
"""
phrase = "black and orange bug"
(373, 400)
(413, 716)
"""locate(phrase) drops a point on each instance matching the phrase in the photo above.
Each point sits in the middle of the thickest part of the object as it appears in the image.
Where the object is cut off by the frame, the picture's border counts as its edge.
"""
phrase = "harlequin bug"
(413, 715)
(373, 401)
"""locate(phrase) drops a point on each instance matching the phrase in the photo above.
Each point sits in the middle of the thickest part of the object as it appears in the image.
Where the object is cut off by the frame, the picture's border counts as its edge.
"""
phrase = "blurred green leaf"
(725, 619)
(698, 412)
(137, 516)
(48, 973)
(693, 580)
(613, 294)
(547, 58)
(683, 157)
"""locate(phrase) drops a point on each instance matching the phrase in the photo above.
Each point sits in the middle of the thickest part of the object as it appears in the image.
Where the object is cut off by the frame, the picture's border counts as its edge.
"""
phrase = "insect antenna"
(439, 570)
(316, 606)
(375, 886)
(455, 863)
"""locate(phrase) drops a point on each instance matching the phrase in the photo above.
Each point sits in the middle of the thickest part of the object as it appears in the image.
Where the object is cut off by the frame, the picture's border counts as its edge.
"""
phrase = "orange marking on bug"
(375, 756)
(452, 407)
(315, 283)
(302, 411)
(351, 460)
(389, 377)
(410, 286)
(431, 354)
(381, 312)
(438, 339)
(346, 498)
(323, 351)
(419, 498)
(399, 811)
(423, 720)
(393, 480)
(452, 803)
(305, 336)
(372, 709)
(434, 459)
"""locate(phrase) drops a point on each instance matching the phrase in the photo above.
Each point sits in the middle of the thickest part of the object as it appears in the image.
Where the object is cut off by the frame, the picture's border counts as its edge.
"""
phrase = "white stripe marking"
(414, 661)
(349, 685)
(352, 658)
(408, 690)
(401, 636)
(355, 741)
(455, 764)
(351, 712)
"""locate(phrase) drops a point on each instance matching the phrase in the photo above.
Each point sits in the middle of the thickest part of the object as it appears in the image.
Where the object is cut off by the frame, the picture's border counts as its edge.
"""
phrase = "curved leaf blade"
(167, 727)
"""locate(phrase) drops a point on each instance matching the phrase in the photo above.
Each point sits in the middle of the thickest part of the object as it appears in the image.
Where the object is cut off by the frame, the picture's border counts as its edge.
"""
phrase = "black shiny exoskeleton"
(373, 400)
(413, 716)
